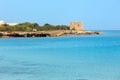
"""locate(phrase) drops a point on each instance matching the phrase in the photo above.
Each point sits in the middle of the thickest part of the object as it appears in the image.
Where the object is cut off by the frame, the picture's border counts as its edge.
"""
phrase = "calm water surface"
(95, 57)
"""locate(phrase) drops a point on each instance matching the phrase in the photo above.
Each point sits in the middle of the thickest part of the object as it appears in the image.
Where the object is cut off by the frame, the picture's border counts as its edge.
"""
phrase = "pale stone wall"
(78, 26)
(12, 24)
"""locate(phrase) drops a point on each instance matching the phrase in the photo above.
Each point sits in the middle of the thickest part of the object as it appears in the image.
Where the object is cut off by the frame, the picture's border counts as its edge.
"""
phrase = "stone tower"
(78, 26)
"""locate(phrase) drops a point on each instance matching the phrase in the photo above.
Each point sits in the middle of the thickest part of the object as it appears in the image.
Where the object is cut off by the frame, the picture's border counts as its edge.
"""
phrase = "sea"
(81, 57)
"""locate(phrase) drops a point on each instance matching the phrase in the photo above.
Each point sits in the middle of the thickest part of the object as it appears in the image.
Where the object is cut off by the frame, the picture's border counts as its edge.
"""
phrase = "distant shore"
(28, 29)
(54, 33)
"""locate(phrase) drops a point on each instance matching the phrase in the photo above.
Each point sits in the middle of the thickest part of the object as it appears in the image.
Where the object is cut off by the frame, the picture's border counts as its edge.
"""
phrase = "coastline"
(53, 33)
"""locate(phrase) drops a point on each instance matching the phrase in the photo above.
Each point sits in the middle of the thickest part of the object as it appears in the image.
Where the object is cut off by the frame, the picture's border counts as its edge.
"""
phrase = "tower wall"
(78, 26)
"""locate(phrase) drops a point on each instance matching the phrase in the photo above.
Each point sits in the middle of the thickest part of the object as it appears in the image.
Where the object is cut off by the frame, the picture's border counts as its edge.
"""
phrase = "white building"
(2, 23)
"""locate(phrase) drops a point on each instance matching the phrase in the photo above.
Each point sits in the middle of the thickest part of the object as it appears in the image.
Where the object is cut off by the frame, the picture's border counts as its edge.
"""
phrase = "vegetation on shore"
(33, 27)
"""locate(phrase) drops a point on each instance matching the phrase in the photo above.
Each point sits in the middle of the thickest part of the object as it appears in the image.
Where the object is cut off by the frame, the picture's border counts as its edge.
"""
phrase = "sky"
(95, 14)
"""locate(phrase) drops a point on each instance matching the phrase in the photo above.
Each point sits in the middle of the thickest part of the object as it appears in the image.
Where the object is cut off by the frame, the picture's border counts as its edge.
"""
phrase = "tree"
(33, 26)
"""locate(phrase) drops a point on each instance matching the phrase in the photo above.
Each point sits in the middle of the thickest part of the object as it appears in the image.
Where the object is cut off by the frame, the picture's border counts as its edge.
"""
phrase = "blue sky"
(96, 14)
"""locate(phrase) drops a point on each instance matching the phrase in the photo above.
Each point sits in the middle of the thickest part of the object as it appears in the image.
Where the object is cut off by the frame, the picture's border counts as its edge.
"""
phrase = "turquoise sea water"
(94, 57)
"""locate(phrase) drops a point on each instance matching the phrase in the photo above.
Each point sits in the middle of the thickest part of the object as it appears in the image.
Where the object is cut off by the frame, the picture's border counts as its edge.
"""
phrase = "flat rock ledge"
(47, 33)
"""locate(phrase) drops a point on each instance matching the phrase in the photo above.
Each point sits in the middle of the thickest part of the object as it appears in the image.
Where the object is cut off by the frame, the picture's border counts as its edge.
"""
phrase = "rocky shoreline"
(47, 33)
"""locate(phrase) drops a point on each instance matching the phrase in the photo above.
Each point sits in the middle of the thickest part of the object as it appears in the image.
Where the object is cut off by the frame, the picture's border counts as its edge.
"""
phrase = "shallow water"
(93, 57)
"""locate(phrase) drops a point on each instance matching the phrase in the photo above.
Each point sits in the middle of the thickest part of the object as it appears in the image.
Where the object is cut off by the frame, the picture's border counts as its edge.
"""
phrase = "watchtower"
(78, 26)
